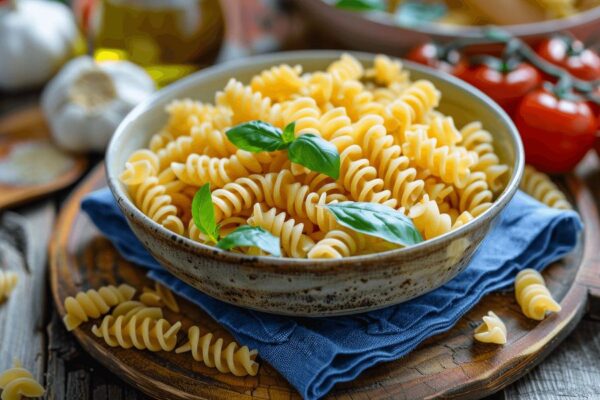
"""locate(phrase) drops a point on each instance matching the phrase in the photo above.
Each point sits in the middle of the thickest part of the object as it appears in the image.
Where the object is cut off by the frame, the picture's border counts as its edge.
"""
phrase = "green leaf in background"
(251, 236)
(256, 136)
(413, 13)
(203, 213)
(376, 220)
(315, 153)
(289, 132)
(361, 5)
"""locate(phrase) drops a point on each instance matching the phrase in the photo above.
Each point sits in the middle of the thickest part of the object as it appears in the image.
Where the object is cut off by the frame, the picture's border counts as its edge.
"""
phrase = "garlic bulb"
(36, 38)
(86, 101)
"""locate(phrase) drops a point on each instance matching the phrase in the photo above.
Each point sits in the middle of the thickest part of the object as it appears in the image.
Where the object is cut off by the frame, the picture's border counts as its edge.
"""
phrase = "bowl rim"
(471, 31)
(129, 209)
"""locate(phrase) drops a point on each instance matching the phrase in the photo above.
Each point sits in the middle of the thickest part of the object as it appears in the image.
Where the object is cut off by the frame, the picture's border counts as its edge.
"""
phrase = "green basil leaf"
(255, 136)
(376, 220)
(361, 5)
(289, 132)
(316, 154)
(253, 236)
(203, 213)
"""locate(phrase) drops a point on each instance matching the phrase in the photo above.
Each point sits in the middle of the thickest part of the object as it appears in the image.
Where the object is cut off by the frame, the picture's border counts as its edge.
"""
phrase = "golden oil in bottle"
(170, 38)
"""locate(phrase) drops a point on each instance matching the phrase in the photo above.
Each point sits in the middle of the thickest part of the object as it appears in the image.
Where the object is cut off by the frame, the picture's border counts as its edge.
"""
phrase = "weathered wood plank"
(73, 374)
(22, 316)
(572, 372)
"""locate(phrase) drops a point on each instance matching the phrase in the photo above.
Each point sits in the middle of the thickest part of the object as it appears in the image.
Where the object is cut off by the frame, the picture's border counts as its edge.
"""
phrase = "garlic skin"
(86, 101)
(36, 38)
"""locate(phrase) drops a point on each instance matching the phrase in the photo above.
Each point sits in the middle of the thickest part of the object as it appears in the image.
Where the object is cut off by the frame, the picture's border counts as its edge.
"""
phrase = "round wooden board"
(28, 125)
(451, 365)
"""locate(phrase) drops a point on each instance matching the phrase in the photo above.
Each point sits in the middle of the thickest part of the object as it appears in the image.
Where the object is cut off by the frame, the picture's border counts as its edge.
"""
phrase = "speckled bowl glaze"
(380, 33)
(308, 287)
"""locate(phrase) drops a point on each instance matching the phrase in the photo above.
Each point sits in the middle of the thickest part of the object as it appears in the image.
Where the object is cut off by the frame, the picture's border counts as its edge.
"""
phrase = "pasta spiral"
(450, 164)
(492, 330)
(539, 186)
(242, 193)
(143, 333)
(395, 147)
(93, 304)
(393, 168)
(151, 199)
(428, 219)
(17, 382)
(293, 241)
(279, 83)
(239, 361)
(338, 243)
(161, 295)
(533, 296)
(386, 71)
(479, 141)
(200, 169)
(475, 196)
(8, 281)
(247, 105)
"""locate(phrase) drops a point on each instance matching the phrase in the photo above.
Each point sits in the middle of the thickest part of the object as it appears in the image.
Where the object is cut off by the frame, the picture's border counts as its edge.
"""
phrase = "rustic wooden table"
(31, 330)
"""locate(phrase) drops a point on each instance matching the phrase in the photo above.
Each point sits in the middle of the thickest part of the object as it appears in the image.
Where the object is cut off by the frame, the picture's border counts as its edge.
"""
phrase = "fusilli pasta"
(160, 296)
(17, 383)
(539, 186)
(533, 296)
(492, 330)
(395, 148)
(239, 361)
(94, 303)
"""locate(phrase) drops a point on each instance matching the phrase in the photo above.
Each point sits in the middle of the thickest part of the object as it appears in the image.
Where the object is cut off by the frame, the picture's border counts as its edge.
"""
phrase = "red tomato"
(505, 86)
(556, 132)
(432, 55)
(571, 55)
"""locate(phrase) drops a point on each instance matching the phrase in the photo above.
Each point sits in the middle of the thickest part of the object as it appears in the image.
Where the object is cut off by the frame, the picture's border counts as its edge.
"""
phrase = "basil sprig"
(254, 236)
(203, 214)
(361, 5)
(308, 149)
(376, 220)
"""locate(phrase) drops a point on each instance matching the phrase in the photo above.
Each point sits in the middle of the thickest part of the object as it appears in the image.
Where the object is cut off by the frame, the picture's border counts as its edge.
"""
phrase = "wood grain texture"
(28, 125)
(571, 373)
(22, 316)
(451, 365)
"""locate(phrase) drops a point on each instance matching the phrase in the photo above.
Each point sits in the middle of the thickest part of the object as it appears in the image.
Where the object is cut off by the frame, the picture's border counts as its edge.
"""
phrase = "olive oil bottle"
(170, 38)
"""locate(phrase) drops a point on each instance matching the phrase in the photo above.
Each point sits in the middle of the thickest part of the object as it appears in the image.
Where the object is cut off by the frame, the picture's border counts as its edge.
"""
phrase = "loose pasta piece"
(533, 296)
(492, 330)
(141, 331)
(539, 186)
(239, 361)
(161, 295)
(8, 281)
(293, 241)
(94, 303)
(17, 383)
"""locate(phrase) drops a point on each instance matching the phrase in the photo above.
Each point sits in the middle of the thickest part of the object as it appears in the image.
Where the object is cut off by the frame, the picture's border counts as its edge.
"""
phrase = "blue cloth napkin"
(314, 354)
